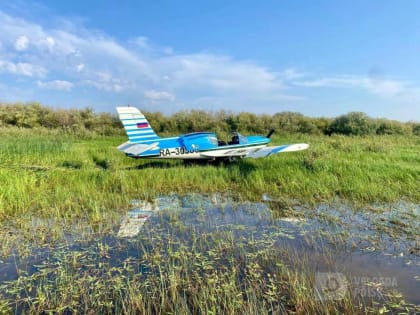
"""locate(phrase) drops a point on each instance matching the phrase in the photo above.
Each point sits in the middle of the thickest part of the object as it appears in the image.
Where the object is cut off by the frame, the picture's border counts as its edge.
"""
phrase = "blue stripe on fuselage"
(131, 119)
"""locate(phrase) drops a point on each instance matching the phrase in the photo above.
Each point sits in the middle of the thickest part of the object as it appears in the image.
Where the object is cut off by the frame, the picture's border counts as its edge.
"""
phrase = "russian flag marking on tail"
(136, 125)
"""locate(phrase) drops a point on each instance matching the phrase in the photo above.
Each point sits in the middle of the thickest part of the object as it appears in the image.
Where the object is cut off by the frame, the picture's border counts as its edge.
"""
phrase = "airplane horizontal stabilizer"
(137, 148)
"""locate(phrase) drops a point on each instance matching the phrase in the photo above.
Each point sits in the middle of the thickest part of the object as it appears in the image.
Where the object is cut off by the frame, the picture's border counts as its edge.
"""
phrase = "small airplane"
(145, 143)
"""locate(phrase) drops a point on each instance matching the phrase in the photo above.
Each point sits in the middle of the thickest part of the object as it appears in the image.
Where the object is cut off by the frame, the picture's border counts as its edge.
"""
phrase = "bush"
(392, 127)
(34, 115)
(354, 123)
(416, 129)
(86, 123)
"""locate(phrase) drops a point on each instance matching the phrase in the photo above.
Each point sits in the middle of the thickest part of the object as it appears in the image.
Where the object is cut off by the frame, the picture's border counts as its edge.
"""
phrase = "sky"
(319, 58)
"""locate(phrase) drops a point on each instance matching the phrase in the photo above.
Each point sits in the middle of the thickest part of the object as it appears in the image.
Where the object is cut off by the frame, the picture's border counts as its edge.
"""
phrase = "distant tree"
(156, 120)
(416, 129)
(354, 123)
(87, 122)
(307, 125)
(288, 121)
(232, 122)
(392, 127)
(249, 122)
(220, 120)
(322, 124)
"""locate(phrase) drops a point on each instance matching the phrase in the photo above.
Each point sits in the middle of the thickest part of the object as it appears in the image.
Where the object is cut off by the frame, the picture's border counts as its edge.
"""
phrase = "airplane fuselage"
(199, 145)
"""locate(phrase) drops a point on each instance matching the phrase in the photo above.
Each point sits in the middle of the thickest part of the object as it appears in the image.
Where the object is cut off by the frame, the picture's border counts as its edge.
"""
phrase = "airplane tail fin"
(136, 125)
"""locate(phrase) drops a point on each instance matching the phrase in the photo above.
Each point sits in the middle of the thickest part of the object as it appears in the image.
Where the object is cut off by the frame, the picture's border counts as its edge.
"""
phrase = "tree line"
(35, 115)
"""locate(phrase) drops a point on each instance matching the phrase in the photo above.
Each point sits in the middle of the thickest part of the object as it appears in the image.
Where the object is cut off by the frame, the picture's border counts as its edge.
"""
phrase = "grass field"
(46, 174)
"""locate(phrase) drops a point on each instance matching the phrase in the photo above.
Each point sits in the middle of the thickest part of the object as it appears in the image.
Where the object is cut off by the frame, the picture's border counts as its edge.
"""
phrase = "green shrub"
(354, 123)
(86, 123)
(416, 129)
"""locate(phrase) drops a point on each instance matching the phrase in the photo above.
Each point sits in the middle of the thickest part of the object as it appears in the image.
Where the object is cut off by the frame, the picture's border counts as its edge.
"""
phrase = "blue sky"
(320, 58)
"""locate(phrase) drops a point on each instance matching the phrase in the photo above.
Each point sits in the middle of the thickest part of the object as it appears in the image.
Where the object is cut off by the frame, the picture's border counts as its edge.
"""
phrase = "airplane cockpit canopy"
(237, 138)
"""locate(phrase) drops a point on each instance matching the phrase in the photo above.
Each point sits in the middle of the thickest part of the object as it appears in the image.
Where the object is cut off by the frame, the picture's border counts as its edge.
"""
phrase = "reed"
(47, 172)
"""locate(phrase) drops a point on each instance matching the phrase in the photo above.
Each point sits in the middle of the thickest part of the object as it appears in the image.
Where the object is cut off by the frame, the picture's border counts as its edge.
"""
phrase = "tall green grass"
(48, 172)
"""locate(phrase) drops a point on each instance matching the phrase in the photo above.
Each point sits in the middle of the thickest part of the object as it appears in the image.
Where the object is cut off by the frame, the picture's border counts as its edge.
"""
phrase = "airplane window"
(213, 140)
(235, 139)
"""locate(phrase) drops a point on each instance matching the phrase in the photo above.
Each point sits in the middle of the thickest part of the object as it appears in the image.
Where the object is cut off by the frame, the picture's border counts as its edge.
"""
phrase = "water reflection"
(359, 244)
(216, 211)
(365, 246)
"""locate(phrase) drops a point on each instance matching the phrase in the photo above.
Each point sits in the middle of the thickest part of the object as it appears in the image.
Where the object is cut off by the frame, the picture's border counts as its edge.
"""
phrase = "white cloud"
(47, 42)
(137, 67)
(103, 86)
(141, 42)
(292, 74)
(168, 50)
(386, 88)
(22, 68)
(105, 81)
(381, 87)
(80, 67)
(21, 43)
(218, 73)
(154, 96)
(56, 85)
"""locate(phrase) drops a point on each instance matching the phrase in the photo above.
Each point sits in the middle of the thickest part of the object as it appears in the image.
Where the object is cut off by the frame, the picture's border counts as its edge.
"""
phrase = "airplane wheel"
(232, 159)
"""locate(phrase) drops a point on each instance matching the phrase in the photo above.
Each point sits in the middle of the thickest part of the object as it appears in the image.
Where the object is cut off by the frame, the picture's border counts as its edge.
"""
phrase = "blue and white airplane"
(143, 142)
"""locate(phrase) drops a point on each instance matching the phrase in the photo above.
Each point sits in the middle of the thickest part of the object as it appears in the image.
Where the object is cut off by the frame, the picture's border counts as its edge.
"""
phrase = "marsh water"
(370, 251)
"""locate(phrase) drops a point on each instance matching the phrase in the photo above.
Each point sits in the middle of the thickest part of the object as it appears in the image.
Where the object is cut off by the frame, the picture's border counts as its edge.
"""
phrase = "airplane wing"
(252, 152)
(267, 151)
